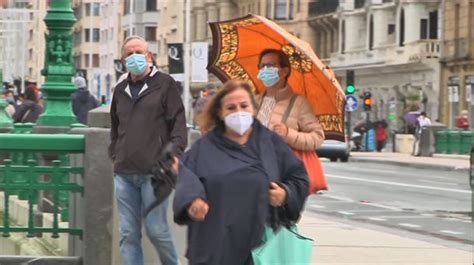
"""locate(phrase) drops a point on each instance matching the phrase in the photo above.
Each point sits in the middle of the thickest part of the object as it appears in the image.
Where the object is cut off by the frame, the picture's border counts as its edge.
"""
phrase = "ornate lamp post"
(59, 65)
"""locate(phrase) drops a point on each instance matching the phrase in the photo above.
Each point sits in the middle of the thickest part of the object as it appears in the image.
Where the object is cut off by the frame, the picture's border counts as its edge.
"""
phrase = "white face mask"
(239, 122)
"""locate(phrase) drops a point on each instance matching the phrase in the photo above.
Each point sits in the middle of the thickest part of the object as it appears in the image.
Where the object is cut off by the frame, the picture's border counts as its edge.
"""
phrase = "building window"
(402, 28)
(151, 5)
(433, 27)
(423, 29)
(126, 33)
(127, 7)
(95, 60)
(30, 54)
(280, 9)
(92, 8)
(86, 60)
(343, 36)
(269, 8)
(150, 33)
(31, 35)
(96, 35)
(87, 35)
(371, 32)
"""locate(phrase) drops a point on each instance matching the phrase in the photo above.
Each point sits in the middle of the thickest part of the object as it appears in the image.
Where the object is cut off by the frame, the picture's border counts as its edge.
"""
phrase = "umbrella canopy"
(237, 45)
(412, 117)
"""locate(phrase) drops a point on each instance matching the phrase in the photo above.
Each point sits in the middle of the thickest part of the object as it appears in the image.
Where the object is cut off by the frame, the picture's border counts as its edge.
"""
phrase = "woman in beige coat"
(289, 115)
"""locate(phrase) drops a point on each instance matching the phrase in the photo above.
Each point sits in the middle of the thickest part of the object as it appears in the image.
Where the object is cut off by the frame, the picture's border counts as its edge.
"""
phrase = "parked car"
(333, 150)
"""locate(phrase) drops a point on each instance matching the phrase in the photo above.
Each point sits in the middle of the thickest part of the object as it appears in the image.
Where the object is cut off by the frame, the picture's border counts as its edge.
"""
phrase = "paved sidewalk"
(441, 162)
(346, 244)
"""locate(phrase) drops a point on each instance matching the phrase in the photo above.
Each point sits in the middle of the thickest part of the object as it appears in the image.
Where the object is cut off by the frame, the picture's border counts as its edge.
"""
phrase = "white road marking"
(399, 184)
(345, 213)
(438, 182)
(377, 219)
(344, 199)
(451, 232)
(317, 206)
(384, 206)
(409, 225)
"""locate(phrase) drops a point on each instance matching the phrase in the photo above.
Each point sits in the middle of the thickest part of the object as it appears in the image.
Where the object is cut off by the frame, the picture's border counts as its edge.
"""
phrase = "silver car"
(333, 150)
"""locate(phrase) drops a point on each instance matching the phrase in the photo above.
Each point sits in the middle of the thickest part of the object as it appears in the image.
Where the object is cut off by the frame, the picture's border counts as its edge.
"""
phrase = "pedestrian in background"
(82, 100)
(233, 178)
(462, 121)
(30, 109)
(289, 115)
(146, 114)
(201, 104)
(422, 122)
(381, 135)
(12, 104)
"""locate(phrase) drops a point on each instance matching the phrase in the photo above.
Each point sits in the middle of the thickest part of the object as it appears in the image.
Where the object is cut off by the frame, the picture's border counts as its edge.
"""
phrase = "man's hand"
(175, 166)
(280, 129)
(198, 209)
(277, 195)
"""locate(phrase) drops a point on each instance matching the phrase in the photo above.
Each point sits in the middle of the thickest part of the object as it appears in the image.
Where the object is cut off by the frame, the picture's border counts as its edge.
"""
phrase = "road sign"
(351, 103)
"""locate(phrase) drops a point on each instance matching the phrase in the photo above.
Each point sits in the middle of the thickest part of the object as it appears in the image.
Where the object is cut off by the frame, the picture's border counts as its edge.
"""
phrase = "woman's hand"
(280, 129)
(277, 195)
(198, 209)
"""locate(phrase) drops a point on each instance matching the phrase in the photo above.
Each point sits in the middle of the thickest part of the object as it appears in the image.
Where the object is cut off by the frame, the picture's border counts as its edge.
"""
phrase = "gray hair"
(133, 37)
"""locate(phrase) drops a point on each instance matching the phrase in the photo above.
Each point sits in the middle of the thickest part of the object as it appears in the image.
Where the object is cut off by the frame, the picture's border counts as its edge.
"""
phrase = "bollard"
(441, 142)
(466, 140)
(471, 178)
(454, 142)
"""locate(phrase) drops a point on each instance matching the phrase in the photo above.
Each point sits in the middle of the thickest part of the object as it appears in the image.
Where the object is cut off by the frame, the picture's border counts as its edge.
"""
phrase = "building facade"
(111, 39)
(36, 43)
(457, 60)
(86, 32)
(393, 48)
(140, 17)
(17, 59)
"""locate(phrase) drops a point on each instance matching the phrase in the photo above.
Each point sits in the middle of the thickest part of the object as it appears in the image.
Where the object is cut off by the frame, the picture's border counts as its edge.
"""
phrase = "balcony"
(422, 51)
(322, 7)
(359, 4)
(456, 49)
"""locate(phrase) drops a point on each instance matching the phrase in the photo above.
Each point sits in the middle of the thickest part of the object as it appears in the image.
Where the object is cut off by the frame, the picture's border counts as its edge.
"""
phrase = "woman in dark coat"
(30, 109)
(234, 180)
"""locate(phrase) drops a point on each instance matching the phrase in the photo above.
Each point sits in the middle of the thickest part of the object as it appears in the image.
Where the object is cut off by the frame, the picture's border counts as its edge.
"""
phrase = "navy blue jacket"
(234, 179)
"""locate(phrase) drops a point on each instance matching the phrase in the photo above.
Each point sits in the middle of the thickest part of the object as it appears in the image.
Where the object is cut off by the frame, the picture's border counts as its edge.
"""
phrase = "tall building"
(140, 17)
(36, 41)
(111, 39)
(170, 29)
(16, 20)
(86, 32)
(457, 60)
(325, 23)
(393, 48)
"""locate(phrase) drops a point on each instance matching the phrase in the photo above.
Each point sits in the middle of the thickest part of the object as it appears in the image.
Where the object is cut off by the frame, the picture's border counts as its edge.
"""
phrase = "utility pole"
(187, 60)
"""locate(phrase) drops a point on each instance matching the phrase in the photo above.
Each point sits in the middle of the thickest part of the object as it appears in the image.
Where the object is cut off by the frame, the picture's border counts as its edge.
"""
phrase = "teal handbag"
(283, 247)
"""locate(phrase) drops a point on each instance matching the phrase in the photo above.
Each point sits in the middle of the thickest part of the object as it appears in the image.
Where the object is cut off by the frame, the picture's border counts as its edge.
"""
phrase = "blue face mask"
(136, 63)
(10, 100)
(269, 76)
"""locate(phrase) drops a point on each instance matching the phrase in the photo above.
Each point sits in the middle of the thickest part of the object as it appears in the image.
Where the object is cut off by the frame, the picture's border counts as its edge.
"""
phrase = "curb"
(412, 165)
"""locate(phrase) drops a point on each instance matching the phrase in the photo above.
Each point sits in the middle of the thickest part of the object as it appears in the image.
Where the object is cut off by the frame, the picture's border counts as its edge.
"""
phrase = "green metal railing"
(31, 178)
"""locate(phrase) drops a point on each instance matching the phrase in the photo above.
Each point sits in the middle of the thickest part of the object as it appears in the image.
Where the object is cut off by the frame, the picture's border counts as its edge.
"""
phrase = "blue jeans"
(134, 195)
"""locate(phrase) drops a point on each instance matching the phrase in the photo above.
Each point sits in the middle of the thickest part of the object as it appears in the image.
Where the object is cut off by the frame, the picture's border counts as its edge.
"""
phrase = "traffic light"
(350, 86)
(367, 101)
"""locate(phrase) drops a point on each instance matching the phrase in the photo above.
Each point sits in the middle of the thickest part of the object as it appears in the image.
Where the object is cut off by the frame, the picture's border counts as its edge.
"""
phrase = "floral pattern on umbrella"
(237, 45)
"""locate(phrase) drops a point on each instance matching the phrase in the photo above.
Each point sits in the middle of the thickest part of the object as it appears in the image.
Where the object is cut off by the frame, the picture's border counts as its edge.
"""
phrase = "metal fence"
(28, 176)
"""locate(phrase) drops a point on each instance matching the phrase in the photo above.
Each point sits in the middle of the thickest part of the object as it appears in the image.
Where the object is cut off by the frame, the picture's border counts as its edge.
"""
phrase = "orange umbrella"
(237, 45)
